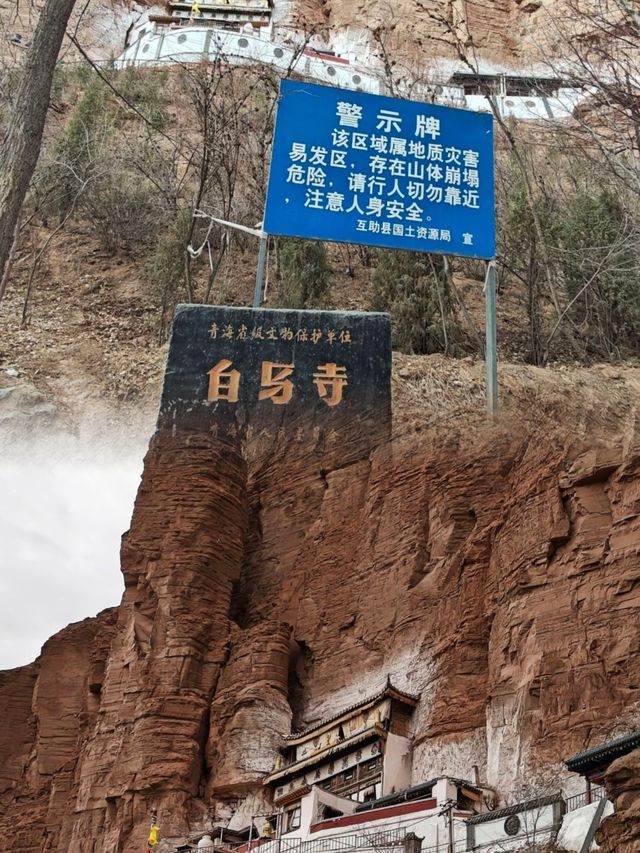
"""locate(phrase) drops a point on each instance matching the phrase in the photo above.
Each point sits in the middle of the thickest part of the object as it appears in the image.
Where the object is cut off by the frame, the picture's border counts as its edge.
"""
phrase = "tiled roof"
(417, 792)
(516, 808)
(414, 793)
(292, 796)
(606, 752)
(388, 690)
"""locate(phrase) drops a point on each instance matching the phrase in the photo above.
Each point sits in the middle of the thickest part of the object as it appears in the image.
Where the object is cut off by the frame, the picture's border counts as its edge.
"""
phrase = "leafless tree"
(601, 58)
(402, 76)
(23, 137)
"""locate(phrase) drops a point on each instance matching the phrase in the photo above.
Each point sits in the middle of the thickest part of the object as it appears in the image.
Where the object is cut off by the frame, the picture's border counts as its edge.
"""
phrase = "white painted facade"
(387, 827)
(528, 108)
(534, 826)
(161, 45)
(396, 773)
(422, 818)
(157, 45)
(575, 826)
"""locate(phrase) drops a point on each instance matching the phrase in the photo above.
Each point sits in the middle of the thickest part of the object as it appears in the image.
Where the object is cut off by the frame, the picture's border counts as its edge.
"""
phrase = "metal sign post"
(262, 265)
(491, 352)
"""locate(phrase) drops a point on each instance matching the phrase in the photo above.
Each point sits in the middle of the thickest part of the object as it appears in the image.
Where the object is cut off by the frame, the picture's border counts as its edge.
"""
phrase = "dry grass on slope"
(433, 391)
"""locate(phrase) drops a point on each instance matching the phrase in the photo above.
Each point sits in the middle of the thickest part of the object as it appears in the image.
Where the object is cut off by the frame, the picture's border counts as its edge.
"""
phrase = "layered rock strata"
(489, 569)
(48, 711)
(180, 561)
(410, 41)
(621, 831)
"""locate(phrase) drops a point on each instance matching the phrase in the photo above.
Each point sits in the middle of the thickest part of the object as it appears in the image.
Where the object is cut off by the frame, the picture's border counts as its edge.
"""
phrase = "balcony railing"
(579, 800)
(375, 840)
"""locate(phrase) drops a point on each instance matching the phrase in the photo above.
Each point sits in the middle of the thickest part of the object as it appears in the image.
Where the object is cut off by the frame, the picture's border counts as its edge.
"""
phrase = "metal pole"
(491, 355)
(262, 265)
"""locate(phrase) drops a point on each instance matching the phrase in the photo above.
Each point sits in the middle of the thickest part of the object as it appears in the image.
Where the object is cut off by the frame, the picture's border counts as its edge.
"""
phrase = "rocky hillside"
(489, 567)
(505, 32)
(100, 25)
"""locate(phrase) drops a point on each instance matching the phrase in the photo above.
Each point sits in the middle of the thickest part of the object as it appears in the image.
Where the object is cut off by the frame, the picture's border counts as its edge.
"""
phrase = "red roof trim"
(328, 57)
(375, 814)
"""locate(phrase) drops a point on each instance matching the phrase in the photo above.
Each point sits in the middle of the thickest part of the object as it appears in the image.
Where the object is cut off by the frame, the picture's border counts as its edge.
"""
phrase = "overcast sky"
(60, 526)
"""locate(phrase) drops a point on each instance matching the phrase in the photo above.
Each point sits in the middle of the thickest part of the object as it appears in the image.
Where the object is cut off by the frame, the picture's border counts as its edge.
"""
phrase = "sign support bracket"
(258, 231)
(491, 352)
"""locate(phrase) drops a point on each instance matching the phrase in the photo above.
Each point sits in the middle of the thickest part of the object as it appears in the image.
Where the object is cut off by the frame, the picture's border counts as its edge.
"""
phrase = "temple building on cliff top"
(227, 14)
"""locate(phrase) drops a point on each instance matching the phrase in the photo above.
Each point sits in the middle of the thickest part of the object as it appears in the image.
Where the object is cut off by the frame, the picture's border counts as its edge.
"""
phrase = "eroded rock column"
(180, 560)
(250, 716)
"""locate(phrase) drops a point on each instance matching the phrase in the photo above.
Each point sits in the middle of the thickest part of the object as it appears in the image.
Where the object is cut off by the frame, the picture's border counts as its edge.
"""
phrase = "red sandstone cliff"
(422, 37)
(622, 830)
(48, 710)
(491, 568)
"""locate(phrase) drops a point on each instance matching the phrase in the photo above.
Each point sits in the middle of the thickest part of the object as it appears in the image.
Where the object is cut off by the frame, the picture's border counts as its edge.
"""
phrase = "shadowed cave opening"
(300, 663)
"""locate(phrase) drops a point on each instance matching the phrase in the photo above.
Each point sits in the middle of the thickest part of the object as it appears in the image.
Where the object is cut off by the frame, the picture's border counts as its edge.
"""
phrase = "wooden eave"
(598, 757)
(329, 723)
(335, 749)
(292, 796)
(231, 8)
